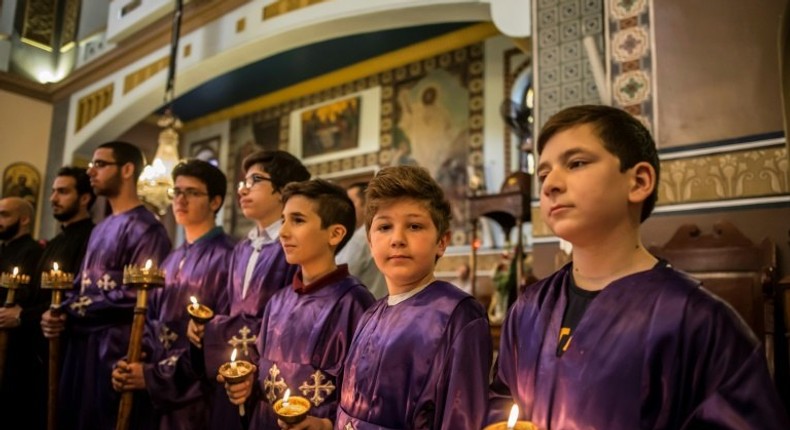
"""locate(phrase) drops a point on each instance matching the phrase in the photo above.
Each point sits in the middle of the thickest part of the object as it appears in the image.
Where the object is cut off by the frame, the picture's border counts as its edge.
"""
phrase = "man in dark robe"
(71, 200)
(98, 314)
(198, 268)
(258, 270)
(20, 387)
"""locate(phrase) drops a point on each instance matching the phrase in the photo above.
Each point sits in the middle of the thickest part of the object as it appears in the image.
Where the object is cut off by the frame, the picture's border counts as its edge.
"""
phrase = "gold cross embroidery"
(318, 386)
(273, 385)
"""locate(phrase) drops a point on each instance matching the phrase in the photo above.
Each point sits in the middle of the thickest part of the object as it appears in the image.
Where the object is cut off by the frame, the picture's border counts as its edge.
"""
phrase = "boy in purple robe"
(98, 315)
(420, 358)
(258, 269)
(617, 339)
(198, 268)
(307, 329)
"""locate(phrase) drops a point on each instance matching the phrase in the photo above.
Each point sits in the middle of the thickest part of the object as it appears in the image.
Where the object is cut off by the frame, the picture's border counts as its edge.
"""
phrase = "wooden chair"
(735, 269)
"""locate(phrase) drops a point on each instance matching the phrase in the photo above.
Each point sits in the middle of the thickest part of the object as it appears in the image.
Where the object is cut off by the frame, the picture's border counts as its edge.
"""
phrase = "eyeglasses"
(252, 180)
(100, 164)
(189, 193)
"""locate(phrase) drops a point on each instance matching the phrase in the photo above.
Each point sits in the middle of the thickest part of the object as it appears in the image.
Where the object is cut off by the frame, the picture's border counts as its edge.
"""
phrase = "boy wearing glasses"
(197, 268)
(98, 314)
(258, 269)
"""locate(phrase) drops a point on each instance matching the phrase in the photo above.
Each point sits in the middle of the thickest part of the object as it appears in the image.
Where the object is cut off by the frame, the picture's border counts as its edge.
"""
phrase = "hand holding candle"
(236, 372)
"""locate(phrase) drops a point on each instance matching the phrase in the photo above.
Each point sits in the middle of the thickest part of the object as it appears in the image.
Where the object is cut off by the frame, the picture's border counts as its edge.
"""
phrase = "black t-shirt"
(578, 300)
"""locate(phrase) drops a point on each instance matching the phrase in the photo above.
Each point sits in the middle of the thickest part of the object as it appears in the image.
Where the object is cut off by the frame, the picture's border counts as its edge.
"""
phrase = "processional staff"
(56, 281)
(11, 281)
(143, 279)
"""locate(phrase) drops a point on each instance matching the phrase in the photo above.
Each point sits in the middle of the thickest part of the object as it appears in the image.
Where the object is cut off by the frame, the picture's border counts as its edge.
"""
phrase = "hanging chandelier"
(156, 178)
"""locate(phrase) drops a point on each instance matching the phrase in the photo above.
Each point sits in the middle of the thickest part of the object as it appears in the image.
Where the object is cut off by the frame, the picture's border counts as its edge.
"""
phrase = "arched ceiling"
(296, 65)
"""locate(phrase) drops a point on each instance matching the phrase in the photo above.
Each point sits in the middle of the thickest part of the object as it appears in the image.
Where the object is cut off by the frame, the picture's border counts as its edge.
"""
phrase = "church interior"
(460, 87)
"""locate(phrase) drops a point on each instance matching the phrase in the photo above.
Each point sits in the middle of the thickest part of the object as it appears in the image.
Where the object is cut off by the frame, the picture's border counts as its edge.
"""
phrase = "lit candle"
(233, 359)
(55, 267)
(511, 422)
(16, 271)
(148, 265)
(195, 304)
(286, 397)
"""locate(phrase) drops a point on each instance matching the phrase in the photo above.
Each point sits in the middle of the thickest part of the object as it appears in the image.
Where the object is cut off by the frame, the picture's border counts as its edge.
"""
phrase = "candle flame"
(286, 396)
(55, 266)
(233, 356)
(194, 301)
(148, 264)
(16, 271)
(511, 422)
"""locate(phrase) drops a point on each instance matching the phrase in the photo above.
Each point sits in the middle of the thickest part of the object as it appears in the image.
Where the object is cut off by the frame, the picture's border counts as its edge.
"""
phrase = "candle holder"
(143, 279)
(12, 281)
(235, 372)
(200, 314)
(520, 425)
(294, 411)
(58, 282)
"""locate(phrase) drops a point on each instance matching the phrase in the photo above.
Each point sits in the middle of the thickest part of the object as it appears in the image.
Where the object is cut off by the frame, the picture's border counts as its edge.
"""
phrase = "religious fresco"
(22, 180)
(429, 113)
(330, 128)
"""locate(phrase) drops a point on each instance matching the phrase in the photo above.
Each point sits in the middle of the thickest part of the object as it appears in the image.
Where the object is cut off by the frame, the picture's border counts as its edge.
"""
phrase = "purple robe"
(652, 351)
(420, 364)
(100, 316)
(200, 269)
(239, 324)
(304, 340)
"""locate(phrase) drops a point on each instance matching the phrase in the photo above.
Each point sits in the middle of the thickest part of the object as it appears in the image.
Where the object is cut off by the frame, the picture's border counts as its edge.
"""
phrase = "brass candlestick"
(143, 279)
(11, 281)
(291, 409)
(201, 314)
(58, 282)
(235, 372)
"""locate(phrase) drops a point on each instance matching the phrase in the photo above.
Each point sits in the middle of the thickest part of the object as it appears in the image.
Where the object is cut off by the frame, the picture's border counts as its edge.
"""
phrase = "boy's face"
(583, 194)
(192, 205)
(259, 202)
(405, 244)
(303, 240)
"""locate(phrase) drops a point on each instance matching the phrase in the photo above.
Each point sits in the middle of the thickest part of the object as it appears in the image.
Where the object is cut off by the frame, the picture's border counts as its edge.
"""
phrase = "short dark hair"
(362, 187)
(125, 152)
(81, 179)
(215, 181)
(622, 135)
(282, 167)
(331, 204)
(392, 183)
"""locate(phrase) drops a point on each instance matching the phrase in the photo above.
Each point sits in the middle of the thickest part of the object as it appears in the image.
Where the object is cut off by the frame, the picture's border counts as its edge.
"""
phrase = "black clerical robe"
(23, 372)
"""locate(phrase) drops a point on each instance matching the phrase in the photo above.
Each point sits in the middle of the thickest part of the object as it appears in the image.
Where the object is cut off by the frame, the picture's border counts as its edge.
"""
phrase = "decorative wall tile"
(733, 175)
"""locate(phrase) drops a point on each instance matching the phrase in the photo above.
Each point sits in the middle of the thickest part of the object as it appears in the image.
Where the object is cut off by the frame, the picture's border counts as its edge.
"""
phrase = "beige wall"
(717, 67)
(26, 125)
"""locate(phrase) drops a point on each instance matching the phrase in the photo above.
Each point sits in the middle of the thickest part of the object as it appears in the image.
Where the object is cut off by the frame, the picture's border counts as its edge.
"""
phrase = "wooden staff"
(11, 282)
(142, 279)
(56, 281)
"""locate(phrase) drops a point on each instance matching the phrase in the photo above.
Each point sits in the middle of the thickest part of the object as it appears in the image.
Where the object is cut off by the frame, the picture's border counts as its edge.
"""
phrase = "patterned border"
(630, 36)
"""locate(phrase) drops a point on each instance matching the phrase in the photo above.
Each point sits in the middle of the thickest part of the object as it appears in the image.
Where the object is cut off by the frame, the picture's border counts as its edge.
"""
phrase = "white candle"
(195, 304)
(233, 359)
(286, 397)
(511, 422)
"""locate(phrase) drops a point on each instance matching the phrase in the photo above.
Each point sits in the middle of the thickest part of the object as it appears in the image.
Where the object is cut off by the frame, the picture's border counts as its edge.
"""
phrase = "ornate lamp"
(155, 179)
